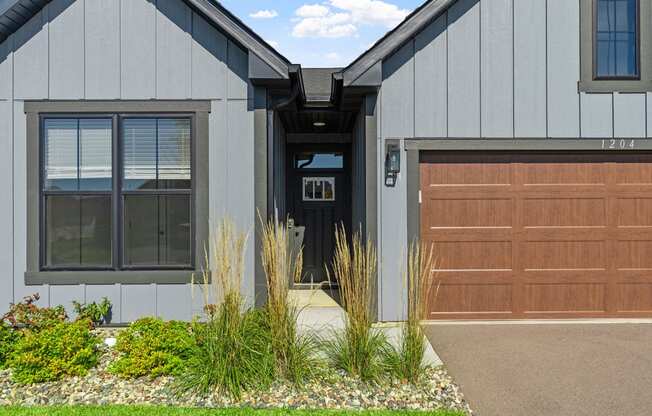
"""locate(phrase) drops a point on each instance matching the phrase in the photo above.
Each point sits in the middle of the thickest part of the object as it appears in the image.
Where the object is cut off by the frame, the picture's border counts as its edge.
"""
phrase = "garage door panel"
(475, 277)
(563, 255)
(576, 297)
(634, 255)
(564, 212)
(632, 172)
(562, 174)
(469, 213)
(635, 297)
(634, 211)
(467, 174)
(474, 255)
(472, 298)
(563, 276)
(460, 234)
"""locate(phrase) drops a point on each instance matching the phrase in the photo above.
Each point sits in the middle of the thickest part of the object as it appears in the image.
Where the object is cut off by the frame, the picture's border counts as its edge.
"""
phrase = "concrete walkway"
(550, 369)
(321, 314)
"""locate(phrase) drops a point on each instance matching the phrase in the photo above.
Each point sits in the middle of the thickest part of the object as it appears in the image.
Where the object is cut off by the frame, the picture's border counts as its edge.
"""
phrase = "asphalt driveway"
(550, 369)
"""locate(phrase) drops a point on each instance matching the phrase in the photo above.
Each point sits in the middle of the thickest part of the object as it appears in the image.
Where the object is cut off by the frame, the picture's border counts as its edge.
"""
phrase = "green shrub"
(64, 349)
(97, 313)
(152, 347)
(233, 352)
(8, 339)
(27, 314)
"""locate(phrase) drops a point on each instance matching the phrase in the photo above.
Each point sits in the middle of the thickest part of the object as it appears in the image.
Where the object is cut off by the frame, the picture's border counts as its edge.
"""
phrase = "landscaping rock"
(331, 390)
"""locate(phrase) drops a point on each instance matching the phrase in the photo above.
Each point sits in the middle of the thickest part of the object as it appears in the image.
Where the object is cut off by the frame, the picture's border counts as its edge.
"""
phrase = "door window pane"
(616, 38)
(78, 230)
(157, 230)
(311, 160)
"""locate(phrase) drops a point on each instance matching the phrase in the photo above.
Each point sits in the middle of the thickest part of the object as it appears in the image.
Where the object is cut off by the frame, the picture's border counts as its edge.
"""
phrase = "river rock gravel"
(328, 391)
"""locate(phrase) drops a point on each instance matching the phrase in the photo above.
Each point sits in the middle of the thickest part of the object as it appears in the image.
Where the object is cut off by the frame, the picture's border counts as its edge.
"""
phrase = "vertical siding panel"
(497, 68)
(6, 208)
(20, 209)
(238, 74)
(398, 93)
(209, 48)
(530, 68)
(649, 114)
(218, 158)
(95, 293)
(138, 301)
(102, 49)
(563, 68)
(174, 302)
(240, 198)
(464, 69)
(173, 49)
(6, 68)
(597, 115)
(66, 31)
(31, 58)
(138, 49)
(629, 115)
(431, 77)
(65, 295)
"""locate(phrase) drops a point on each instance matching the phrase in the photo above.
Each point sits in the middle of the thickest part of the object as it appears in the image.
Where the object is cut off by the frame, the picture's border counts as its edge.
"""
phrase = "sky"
(321, 33)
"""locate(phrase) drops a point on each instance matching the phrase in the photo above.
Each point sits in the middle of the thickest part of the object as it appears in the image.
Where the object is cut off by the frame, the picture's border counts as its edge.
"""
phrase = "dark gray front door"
(319, 199)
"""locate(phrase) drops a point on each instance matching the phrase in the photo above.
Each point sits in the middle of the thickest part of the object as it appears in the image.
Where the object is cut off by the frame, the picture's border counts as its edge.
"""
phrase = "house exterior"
(511, 134)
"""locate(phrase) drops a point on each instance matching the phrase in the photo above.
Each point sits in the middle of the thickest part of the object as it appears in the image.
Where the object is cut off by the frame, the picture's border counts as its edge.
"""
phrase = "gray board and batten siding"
(506, 70)
(125, 50)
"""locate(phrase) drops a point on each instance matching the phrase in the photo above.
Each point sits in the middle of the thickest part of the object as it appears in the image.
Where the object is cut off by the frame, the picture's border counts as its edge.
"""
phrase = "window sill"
(170, 277)
(609, 86)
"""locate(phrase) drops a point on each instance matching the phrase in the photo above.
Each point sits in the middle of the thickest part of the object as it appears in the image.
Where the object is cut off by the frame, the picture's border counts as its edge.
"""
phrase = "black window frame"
(636, 77)
(117, 193)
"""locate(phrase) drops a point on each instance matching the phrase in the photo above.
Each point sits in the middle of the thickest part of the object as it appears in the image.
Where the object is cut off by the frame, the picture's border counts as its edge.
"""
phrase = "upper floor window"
(616, 39)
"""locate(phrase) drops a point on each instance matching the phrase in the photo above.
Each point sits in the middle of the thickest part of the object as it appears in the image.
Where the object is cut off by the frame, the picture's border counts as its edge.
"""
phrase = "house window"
(319, 189)
(127, 211)
(616, 43)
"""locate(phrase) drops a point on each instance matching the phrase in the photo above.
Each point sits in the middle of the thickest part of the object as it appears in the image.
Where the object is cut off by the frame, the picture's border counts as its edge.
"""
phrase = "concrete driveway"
(550, 369)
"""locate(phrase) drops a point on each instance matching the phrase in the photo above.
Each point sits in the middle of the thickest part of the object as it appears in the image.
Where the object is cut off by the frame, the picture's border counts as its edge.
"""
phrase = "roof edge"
(385, 46)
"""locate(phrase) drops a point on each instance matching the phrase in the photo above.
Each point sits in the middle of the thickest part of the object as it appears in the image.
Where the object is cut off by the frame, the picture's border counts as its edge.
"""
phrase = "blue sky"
(321, 33)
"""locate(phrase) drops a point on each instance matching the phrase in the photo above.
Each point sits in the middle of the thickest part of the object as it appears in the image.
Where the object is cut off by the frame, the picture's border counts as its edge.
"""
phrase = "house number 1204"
(619, 144)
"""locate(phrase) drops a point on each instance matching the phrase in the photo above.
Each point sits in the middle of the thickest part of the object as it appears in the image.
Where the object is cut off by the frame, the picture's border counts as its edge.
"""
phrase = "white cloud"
(264, 14)
(372, 12)
(342, 18)
(336, 25)
(312, 10)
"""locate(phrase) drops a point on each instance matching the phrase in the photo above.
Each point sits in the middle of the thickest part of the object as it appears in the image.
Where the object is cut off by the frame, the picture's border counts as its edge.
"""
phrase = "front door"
(318, 199)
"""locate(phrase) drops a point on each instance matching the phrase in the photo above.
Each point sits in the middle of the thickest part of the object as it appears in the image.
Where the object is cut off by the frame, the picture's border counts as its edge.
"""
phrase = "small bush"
(233, 354)
(27, 314)
(8, 339)
(97, 313)
(233, 350)
(406, 361)
(152, 347)
(293, 352)
(359, 349)
(64, 349)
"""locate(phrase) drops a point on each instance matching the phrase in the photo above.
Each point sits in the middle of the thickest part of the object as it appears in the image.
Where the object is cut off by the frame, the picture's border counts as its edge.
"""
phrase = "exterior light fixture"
(392, 164)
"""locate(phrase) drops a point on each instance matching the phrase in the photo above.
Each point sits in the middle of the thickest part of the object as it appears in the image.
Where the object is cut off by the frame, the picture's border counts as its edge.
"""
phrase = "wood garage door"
(538, 236)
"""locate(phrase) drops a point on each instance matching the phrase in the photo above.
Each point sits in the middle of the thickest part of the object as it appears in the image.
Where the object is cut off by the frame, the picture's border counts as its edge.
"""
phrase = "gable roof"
(15, 13)
(413, 24)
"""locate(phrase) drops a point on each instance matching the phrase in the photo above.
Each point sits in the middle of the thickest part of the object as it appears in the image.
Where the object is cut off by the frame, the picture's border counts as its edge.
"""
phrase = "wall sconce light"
(392, 164)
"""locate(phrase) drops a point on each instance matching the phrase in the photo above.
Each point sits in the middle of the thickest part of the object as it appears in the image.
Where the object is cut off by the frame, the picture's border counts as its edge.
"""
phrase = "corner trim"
(413, 203)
